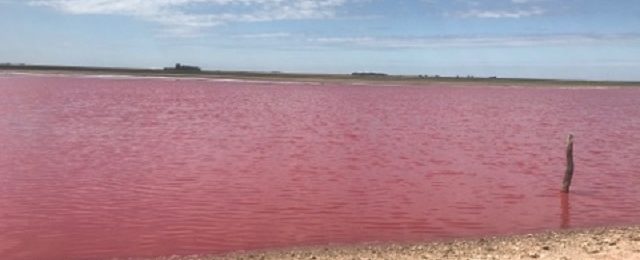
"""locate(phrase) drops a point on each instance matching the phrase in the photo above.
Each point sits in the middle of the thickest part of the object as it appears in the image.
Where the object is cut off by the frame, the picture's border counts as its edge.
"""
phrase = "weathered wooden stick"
(568, 173)
(565, 213)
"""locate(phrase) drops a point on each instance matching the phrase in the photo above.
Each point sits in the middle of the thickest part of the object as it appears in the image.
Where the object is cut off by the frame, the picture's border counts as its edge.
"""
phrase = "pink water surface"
(94, 168)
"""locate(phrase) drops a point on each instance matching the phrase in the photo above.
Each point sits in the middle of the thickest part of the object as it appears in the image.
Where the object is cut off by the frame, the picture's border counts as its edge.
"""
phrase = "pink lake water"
(94, 168)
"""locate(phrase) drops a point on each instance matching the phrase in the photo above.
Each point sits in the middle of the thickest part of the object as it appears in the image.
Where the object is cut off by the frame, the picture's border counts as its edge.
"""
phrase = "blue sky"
(569, 39)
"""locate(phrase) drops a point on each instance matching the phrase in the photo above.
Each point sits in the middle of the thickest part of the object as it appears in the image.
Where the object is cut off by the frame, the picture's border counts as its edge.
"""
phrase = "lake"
(101, 167)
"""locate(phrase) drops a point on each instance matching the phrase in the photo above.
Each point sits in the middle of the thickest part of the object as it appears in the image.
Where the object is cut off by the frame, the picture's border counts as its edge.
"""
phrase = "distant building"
(180, 67)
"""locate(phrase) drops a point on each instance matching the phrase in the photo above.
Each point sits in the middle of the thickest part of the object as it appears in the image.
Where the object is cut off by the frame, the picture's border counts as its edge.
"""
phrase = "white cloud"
(264, 35)
(525, 1)
(178, 16)
(486, 41)
(535, 11)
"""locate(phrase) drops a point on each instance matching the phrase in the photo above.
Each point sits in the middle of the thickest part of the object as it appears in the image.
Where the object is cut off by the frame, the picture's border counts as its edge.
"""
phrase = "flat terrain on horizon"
(310, 77)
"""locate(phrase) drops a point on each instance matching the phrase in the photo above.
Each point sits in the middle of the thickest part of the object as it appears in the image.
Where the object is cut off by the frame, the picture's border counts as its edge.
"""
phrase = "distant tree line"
(369, 74)
(426, 76)
(12, 64)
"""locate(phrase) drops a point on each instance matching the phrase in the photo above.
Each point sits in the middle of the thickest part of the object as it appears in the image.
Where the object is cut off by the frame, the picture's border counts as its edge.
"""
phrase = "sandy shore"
(599, 243)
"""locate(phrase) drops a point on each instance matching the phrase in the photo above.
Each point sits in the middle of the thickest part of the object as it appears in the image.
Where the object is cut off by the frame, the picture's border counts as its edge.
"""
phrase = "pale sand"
(598, 243)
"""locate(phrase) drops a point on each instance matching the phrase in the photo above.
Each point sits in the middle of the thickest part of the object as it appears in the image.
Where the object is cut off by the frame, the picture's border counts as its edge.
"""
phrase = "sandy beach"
(597, 243)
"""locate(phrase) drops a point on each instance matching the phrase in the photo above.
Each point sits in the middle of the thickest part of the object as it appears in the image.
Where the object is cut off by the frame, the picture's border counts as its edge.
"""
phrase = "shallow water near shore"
(98, 168)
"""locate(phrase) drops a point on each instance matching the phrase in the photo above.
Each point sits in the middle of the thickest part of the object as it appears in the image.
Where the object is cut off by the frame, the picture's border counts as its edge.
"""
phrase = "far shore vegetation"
(180, 70)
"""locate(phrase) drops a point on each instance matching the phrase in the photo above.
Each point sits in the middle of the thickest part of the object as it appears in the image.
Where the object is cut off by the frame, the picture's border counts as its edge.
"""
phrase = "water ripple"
(97, 168)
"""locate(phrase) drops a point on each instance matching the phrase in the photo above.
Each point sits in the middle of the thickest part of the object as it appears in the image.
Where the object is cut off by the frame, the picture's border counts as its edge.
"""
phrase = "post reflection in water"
(565, 214)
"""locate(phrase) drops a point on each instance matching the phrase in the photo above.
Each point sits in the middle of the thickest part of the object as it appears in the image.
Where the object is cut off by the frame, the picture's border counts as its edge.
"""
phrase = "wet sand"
(598, 243)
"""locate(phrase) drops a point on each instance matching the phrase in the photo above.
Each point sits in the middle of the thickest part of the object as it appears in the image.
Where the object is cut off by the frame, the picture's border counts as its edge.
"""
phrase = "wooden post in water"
(568, 173)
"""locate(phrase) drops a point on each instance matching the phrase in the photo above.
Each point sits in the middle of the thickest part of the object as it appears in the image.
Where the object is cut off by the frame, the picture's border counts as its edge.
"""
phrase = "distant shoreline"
(596, 243)
(307, 77)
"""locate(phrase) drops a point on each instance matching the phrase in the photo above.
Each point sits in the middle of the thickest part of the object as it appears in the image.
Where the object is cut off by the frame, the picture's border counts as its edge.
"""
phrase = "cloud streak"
(475, 13)
(180, 16)
(485, 41)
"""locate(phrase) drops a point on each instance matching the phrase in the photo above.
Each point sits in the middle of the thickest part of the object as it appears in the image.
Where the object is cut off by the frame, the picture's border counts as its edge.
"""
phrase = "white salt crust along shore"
(319, 80)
